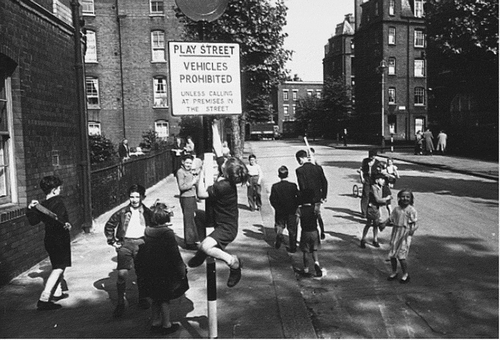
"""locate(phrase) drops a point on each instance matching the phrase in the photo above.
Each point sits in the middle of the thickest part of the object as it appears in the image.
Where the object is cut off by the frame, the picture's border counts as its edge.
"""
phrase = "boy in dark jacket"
(52, 212)
(125, 231)
(283, 198)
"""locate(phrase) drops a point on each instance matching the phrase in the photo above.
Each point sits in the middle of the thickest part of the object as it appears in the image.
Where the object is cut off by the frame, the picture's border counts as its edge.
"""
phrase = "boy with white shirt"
(125, 231)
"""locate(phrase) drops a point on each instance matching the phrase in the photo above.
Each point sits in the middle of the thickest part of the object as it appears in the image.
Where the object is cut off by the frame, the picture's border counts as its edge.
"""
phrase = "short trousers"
(127, 253)
(59, 251)
(309, 241)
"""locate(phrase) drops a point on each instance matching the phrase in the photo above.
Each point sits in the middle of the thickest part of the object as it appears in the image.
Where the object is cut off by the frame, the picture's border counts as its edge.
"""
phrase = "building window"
(392, 7)
(91, 47)
(156, 7)
(391, 66)
(8, 193)
(419, 96)
(419, 68)
(310, 93)
(391, 94)
(419, 38)
(92, 86)
(158, 46)
(285, 94)
(419, 8)
(161, 128)
(377, 9)
(318, 93)
(87, 7)
(160, 92)
(94, 128)
(294, 95)
(392, 35)
(285, 110)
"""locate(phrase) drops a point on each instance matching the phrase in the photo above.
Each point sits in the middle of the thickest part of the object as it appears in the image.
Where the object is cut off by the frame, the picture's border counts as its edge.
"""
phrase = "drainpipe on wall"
(118, 20)
(82, 112)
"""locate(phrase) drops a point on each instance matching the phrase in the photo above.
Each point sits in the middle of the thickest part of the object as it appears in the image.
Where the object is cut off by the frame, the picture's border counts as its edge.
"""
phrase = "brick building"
(40, 123)
(391, 33)
(339, 55)
(288, 94)
(126, 67)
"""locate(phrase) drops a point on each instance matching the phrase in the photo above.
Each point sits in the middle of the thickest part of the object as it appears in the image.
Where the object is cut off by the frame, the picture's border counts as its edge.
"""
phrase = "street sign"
(202, 10)
(204, 78)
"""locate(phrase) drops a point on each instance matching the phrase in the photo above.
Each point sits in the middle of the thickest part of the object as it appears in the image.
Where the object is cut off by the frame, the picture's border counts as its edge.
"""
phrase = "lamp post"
(382, 67)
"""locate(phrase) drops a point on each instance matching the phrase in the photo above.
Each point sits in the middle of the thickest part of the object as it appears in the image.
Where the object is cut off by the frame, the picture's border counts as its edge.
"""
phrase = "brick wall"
(46, 125)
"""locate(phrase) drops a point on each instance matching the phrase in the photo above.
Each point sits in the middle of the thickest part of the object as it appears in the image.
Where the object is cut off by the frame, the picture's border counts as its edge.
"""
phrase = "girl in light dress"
(404, 221)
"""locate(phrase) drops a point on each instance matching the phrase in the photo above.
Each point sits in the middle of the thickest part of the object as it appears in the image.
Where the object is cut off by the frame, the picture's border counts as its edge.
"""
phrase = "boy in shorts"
(309, 239)
(57, 239)
(125, 231)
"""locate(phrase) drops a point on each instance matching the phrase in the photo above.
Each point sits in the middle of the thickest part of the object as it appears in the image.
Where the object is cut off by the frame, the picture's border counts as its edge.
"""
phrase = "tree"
(101, 149)
(257, 25)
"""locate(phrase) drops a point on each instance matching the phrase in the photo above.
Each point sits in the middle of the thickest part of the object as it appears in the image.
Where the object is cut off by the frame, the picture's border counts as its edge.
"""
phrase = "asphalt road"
(453, 260)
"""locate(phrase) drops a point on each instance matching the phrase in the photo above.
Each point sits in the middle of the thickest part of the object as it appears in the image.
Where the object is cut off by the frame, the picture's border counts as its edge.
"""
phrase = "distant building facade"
(391, 33)
(40, 123)
(287, 96)
(127, 68)
(338, 62)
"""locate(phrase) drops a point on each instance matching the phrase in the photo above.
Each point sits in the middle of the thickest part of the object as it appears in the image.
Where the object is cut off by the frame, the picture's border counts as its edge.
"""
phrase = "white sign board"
(204, 78)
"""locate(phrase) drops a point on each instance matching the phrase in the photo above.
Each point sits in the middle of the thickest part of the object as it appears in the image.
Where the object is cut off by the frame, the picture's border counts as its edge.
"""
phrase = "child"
(160, 265)
(57, 239)
(283, 198)
(309, 239)
(125, 232)
(403, 218)
(254, 183)
(376, 199)
(222, 207)
(391, 172)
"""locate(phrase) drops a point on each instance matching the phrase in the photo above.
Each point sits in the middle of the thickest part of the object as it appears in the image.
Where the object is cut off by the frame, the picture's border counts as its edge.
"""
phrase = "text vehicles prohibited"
(204, 78)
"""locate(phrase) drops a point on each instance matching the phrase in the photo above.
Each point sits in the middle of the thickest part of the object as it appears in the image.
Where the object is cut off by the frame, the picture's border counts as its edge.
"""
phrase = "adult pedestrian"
(441, 144)
(124, 150)
(370, 166)
(419, 139)
(125, 231)
(313, 185)
(189, 147)
(429, 144)
(186, 181)
(254, 183)
(177, 151)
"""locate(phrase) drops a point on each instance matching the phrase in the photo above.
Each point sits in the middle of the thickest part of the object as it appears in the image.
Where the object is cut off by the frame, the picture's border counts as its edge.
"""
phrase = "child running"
(222, 209)
(404, 220)
(57, 239)
(160, 266)
(309, 239)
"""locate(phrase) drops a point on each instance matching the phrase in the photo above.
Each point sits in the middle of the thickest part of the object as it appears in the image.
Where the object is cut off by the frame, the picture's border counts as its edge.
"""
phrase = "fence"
(110, 184)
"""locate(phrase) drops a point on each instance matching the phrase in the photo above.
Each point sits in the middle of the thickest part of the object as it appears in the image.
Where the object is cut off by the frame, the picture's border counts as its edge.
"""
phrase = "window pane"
(419, 68)
(156, 6)
(392, 66)
(160, 92)
(392, 36)
(92, 92)
(391, 7)
(87, 6)
(419, 38)
(285, 95)
(91, 51)
(392, 95)
(94, 128)
(158, 45)
(161, 129)
(419, 8)
(419, 96)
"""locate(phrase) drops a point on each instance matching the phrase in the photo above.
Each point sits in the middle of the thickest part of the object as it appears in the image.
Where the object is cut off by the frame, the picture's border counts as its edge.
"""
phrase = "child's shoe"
(319, 272)
(60, 297)
(234, 275)
(47, 305)
(197, 260)
(279, 240)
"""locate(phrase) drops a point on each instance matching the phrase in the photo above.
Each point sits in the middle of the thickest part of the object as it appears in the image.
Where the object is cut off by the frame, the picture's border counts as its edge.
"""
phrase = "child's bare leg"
(305, 260)
(394, 266)
(209, 246)
(156, 314)
(404, 268)
(375, 233)
(52, 281)
(365, 231)
(165, 314)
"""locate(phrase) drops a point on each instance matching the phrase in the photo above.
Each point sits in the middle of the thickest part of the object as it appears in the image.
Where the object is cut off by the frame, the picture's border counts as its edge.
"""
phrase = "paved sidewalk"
(267, 302)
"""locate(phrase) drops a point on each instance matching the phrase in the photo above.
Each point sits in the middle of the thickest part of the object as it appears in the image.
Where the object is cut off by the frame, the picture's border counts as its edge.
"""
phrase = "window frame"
(285, 95)
(156, 50)
(88, 7)
(420, 94)
(419, 35)
(94, 126)
(417, 68)
(418, 8)
(160, 126)
(391, 36)
(393, 90)
(7, 146)
(160, 96)
(286, 110)
(295, 94)
(97, 94)
(87, 35)
(156, 12)
(392, 7)
(391, 66)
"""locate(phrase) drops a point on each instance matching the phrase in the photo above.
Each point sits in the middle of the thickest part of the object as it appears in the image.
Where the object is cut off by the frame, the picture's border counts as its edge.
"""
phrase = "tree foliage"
(463, 51)
(257, 25)
(101, 149)
(320, 116)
